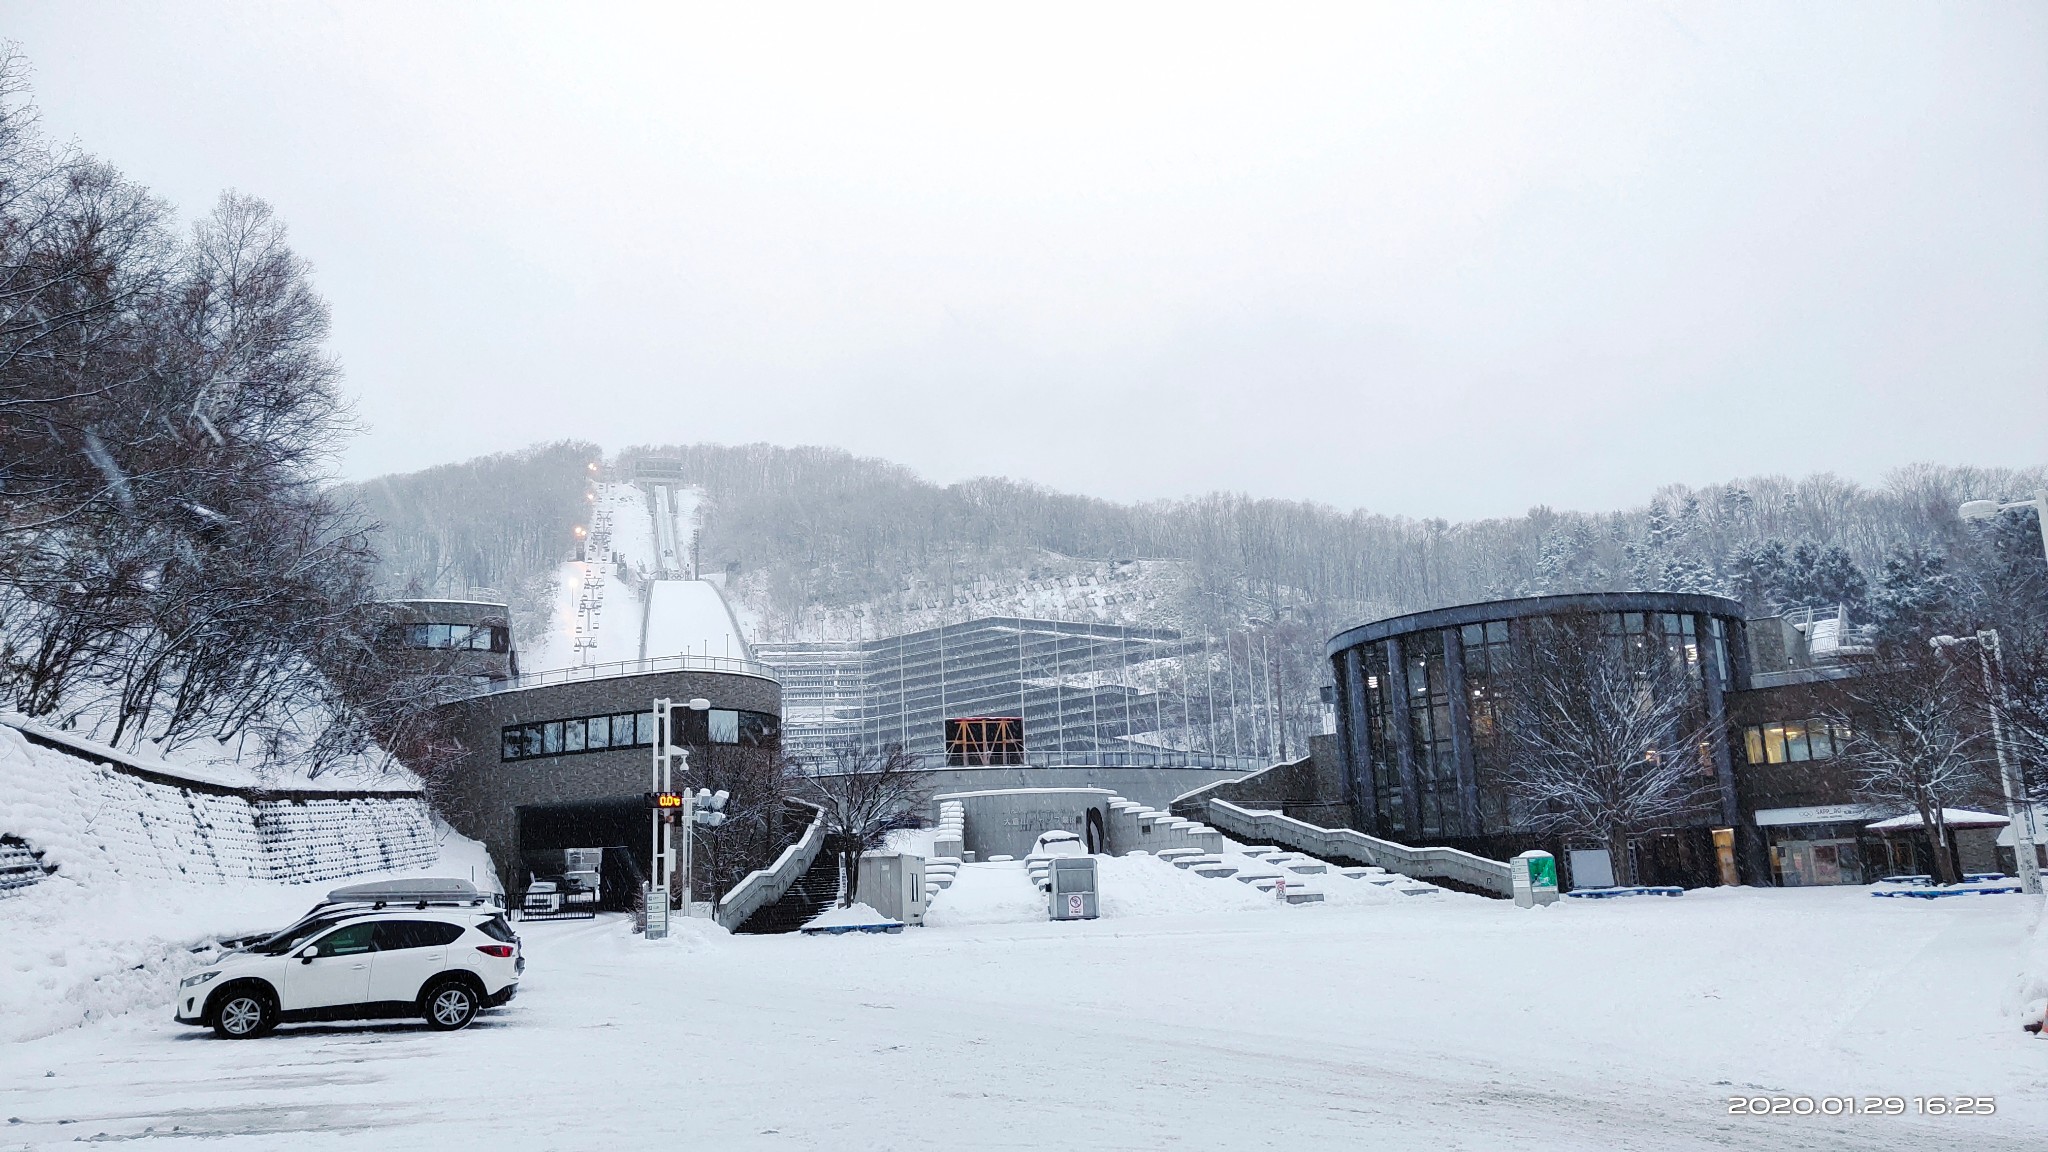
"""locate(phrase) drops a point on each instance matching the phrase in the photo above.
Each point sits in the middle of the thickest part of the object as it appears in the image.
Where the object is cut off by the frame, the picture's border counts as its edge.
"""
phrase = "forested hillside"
(818, 543)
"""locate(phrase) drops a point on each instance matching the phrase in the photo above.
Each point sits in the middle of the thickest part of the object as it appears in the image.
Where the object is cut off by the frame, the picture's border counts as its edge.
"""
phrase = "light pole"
(1989, 510)
(663, 802)
(2019, 807)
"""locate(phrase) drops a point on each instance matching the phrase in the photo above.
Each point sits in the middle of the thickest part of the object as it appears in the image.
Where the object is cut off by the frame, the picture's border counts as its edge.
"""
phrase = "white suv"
(353, 962)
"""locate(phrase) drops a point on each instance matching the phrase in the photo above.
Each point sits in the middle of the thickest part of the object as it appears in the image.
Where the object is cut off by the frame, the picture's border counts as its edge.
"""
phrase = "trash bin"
(1535, 879)
(1071, 895)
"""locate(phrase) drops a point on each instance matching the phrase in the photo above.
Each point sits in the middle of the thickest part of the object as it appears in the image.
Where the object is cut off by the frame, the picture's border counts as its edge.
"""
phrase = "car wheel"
(449, 1005)
(243, 1014)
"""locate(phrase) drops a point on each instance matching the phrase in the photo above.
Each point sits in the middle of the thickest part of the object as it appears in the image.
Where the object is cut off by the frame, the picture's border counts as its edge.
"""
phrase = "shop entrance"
(1802, 863)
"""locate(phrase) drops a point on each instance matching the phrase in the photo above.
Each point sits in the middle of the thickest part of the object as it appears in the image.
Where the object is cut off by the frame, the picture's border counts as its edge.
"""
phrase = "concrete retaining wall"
(1009, 821)
(1154, 787)
(1310, 790)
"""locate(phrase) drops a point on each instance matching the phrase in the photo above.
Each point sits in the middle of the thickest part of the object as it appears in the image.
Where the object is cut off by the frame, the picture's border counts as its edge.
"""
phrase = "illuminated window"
(1793, 741)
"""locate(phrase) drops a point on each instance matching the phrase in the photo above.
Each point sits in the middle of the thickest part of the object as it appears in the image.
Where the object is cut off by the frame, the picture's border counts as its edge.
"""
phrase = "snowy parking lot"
(1430, 1024)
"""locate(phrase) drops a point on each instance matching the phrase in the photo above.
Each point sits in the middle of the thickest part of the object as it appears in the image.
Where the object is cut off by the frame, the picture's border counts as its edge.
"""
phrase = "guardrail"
(729, 664)
(1478, 872)
(764, 886)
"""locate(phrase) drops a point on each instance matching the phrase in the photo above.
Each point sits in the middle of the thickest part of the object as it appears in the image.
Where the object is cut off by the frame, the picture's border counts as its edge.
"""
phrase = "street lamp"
(664, 802)
(1989, 510)
(2020, 812)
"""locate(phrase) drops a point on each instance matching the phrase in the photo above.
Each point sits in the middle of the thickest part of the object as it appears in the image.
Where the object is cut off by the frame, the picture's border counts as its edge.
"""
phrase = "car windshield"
(293, 936)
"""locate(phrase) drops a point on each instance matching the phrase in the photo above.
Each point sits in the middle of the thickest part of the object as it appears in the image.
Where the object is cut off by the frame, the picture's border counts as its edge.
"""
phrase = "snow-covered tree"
(1600, 737)
(1916, 594)
(1917, 738)
(1821, 575)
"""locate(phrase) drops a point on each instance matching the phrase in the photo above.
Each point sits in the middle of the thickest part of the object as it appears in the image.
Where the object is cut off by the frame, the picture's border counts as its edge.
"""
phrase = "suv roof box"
(423, 891)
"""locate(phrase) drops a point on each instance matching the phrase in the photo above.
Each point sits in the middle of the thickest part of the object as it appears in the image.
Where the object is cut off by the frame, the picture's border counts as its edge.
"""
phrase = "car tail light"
(501, 951)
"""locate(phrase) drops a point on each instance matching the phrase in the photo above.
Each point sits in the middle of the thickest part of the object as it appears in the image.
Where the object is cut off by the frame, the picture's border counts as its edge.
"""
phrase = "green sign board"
(1542, 872)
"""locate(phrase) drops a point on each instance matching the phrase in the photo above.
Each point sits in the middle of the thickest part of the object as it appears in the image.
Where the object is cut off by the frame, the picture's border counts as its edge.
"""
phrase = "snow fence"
(97, 813)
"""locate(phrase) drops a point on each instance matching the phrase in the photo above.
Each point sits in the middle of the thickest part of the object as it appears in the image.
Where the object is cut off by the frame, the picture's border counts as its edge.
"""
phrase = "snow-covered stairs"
(814, 891)
(20, 865)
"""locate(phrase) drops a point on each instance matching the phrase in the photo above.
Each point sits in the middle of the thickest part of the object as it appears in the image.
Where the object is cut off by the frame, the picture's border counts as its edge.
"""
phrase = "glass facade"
(1676, 633)
(1488, 660)
(581, 734)
(1385, 775)
(634, 730)
(1430, 739)
(1411, 729)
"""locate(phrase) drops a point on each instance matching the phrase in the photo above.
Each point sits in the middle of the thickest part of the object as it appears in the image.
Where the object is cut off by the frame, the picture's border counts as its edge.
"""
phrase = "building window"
(581, 734)
(1429, 716)
(465, 637)
(1386, 774)
(727, 726)
(1793, 741)
(724, 726)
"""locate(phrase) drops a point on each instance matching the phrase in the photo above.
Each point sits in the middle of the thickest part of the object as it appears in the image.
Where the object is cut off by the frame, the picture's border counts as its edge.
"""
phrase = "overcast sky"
(1442, 260)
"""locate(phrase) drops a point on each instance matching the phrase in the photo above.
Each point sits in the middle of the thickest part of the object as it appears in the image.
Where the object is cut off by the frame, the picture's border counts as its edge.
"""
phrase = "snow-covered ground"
(1426, 1023)
(689, 618)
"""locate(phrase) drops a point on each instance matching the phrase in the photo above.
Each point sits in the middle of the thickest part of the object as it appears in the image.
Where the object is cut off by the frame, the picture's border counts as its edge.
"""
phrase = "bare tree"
(1602, 736)
(1917, 739)
(758, 788)
(169, 561)
(867, 794)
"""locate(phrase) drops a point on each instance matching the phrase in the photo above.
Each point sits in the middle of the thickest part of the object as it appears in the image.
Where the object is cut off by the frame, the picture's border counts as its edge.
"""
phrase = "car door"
(338, 972)
(408, 953)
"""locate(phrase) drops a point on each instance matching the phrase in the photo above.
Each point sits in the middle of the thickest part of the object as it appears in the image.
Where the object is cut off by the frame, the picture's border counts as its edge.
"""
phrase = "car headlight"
(197, 979)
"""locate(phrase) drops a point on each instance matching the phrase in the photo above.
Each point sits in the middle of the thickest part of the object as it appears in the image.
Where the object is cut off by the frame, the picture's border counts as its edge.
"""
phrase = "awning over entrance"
(1953, 817)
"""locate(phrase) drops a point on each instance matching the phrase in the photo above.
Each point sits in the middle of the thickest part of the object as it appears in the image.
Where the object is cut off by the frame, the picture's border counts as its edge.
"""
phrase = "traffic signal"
(710, 806)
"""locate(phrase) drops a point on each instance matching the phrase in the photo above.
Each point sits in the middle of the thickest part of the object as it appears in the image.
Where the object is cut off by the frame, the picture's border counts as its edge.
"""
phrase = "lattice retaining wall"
(97, 814)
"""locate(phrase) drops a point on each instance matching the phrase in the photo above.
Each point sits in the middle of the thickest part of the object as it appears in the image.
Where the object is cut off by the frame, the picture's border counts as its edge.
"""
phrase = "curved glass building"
(1415, 731)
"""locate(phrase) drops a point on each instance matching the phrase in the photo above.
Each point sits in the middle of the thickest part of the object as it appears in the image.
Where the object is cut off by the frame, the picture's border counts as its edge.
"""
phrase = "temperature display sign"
(665, 800)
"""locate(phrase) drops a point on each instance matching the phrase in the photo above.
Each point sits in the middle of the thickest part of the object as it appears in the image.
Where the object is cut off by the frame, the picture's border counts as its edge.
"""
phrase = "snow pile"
(854, 916)
(2030, 1001)
(99, 816)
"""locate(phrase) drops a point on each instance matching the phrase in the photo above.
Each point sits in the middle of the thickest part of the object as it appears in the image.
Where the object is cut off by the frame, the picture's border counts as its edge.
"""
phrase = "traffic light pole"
(660, 777)
(701, 806)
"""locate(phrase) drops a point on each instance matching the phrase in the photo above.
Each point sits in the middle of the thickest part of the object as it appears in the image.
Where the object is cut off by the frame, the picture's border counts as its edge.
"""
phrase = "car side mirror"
(307, 953)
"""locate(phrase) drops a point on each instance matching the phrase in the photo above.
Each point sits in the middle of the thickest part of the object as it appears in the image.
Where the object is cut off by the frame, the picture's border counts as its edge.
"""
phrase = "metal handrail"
(729, 664)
